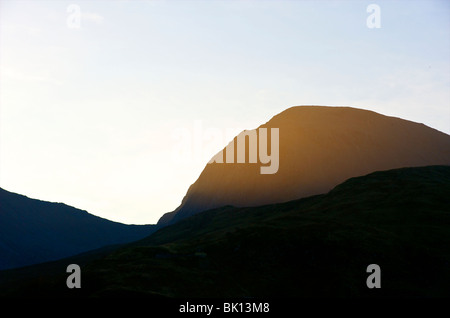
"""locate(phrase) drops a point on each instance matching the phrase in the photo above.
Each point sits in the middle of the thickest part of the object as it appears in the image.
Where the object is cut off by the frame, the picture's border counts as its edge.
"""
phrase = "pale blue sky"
(92, 116)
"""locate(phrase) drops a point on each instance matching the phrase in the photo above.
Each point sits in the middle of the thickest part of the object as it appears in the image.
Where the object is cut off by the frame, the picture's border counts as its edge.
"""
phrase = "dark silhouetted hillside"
(34, 231)
(318, 246)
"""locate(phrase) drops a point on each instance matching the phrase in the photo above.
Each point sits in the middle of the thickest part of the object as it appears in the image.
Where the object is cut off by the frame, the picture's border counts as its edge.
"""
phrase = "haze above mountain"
(319, 148)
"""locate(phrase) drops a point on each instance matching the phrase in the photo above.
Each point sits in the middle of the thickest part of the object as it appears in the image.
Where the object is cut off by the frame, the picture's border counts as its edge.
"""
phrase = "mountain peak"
(318, 148)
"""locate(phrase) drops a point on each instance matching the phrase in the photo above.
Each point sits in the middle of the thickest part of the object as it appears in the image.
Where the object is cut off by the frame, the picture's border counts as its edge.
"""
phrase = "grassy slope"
(318, 246)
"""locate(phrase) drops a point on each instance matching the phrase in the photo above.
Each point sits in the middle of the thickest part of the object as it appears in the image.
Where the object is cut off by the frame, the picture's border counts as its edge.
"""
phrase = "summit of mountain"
(318, 148)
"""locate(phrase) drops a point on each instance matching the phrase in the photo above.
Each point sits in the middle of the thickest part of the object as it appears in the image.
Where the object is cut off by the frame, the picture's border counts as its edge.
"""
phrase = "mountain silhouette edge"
(319, 125)
(34, 231)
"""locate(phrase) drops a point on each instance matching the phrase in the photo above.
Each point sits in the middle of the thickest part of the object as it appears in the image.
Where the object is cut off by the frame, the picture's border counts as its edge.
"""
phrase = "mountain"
(318, 246)
(319, 147)
(34, 231)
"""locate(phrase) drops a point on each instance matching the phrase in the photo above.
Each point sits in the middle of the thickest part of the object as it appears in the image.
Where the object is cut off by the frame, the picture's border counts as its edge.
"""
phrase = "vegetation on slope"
(314, 247)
